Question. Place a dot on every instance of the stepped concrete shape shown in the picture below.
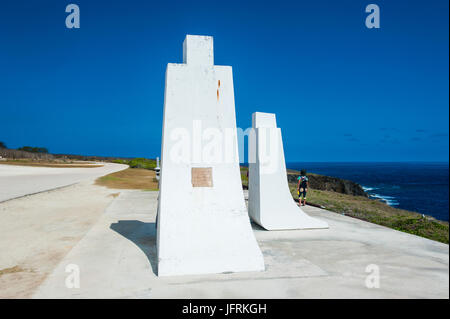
(270, 202)
(203, 224)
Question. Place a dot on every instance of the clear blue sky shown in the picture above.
(341, 92)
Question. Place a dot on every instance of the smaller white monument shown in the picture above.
(270, 203)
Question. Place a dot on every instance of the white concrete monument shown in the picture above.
(203, 224)
(270, 203)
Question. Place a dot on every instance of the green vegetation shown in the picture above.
(142, 163)
(33, 149)
(367, 209)
(2, 145)
(244, 176)
(138, 163)
(377, 212)
(120, 161)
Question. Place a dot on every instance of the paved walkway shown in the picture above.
(117, 259)
(18, 181)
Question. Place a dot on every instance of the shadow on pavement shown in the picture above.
(142, 234)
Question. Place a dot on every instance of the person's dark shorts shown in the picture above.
(300, 194)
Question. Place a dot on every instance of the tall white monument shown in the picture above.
(203, 225)
(270, 203)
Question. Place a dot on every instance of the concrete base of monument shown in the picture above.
(290, 217)
(225, 244)
(117, 259)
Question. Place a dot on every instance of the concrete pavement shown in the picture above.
(117, 259)
(37, 231)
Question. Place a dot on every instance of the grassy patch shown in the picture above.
(378, 213)
(130, 178)
(244, 177)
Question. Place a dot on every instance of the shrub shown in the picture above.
(142, 163)
(121, 161)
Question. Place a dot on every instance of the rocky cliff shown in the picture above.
(327, 183)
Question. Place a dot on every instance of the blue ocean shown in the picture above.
(419, 187)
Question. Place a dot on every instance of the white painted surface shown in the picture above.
(270, 201)
(198, 50)
(17, 181)
(201, 229)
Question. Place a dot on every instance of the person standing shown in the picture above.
(302, 186)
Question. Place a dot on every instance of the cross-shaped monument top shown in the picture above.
(198, 50)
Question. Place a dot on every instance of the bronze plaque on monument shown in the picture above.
(201, 177)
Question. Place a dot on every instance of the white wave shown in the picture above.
(390, 200)
(368, 189)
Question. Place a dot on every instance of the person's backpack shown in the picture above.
(303, 181)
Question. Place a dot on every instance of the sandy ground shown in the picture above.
(117, 259)
(17, 181)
